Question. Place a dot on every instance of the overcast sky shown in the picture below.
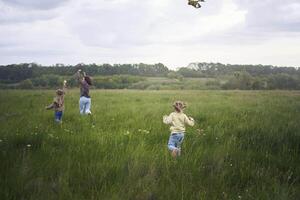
(150, 31)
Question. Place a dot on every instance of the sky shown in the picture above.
(150, 31)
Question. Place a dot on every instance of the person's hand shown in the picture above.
(190, 118)
(167, 119)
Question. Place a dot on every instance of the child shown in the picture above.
(58, 103)
(177, 120)
(85, 100)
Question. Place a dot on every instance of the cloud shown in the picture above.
(263, 21)
(12, 12)
(122, 23)
(168, 31)
(35, 4)
(271, 15)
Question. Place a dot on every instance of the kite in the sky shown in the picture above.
(195, 3)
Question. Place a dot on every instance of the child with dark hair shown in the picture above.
(58, 103)
(85, 100)
(177, 120)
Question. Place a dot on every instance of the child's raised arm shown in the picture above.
(64, 86)
(79, 76)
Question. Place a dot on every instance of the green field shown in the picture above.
(250, 148)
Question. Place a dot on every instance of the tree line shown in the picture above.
(19, 72)
(118, 76)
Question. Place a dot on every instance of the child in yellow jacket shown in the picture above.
(177, 121)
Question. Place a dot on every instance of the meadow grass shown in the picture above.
(249, 148)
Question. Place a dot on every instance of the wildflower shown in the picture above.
(28, 145)
(239, 196)
(230, 164)
(200, 131)
(127, 133)
(0, 140)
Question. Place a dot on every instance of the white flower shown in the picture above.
(240, 196)
(28, 145)
(0, 140)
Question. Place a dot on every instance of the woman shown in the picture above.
(85, 100)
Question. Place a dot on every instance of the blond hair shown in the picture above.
(179, 106)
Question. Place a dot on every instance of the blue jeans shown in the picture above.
(85, 105)
(175, 141)
(58, 116)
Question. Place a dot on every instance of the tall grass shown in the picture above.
(249, 149)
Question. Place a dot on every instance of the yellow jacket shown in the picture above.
(177, 120)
